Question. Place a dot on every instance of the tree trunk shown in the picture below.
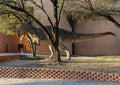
(34, 50)
(33, 45)
(57, 54)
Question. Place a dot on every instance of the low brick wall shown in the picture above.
(7, 58)
(19, 72)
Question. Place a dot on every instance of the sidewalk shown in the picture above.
(14, 53)
(6, 81)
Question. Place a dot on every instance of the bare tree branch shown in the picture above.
(83, 4)
(63, 1)
(13, 13)
(22, 2)
(42, 8)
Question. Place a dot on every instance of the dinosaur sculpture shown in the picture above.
(65, 36)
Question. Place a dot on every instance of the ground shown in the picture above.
(100, 64)
(107, 64)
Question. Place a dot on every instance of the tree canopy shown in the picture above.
(8, 24)
(9, 18)
(85, 9)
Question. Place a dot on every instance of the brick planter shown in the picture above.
(19, 72)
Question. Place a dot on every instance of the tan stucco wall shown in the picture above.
(107, 45)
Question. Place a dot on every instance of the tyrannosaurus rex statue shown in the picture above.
(64, 36)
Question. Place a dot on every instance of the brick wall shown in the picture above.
(8, 58)
(19, 72)
(8, 43)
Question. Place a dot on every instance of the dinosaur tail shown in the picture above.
(82, 37)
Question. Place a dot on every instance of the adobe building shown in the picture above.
(107, 45)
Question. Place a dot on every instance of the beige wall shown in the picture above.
(107, 45)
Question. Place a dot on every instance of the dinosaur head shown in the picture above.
(21, 33)
(21, 30)
(28, 30)
(24, 29)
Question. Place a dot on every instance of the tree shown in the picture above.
(17, 7)
(32, 43)
(84, 9)
(9, 24)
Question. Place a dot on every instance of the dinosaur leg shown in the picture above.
(64, 49)
(51, 52)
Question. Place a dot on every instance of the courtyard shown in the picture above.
(83, 63)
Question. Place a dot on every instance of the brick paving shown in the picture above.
(38, 73)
